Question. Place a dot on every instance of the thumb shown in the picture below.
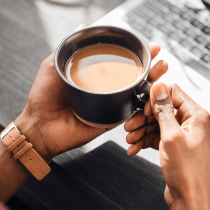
(163, 109)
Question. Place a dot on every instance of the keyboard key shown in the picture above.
(206, 30)
(133, 15)
(147, 32)
(166, 3)
(208, 46)
(138, 27)
(141, 8)
(159, 18)
(200, 39)
(197, 23)
(175, 37)
(169, 6)
(136, 10)
(206, 58)
(155, 9)
(190, 33)
(141, 11)
(164, 29)
(186, 44)
(140, 14)
(151, 7)
(179, 25)
(154, 21)
(197, 51)
(169, 18)
(186, 16)
(130, 17)
(162, 13)
(175, 9)
(145, 16)
(130, 20)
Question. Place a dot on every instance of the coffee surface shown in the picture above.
(103, 68)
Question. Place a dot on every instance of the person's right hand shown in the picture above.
(184, 145)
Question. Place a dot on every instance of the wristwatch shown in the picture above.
(24, 152)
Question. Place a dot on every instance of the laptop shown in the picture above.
(182, 29)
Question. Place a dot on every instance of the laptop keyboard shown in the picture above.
(176, 27)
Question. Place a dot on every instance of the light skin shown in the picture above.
(183, 142)
(50, 125)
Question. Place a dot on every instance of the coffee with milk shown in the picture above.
(103, 68)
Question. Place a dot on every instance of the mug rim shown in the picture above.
(139, 80)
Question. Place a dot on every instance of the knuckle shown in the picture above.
(47, 63)
(126, 126)
(172, 137)
(167, 108)
(43, 63)
(205, 115)
(129, 138)
(202, 116)
(174, 86)
(51, 64)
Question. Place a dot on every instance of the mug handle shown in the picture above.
(145, 88)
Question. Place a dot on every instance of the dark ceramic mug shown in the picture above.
(111, 108)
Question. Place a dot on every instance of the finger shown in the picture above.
(138, 120)
(151, 140)
(163, 109)
(154, 49)
(2, 207)
(135, 148)
(186, 107)
(148, 108)
(139, 133)
(80, 27)
(160, 68)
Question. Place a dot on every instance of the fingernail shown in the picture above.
(160, 92)
(131, 147)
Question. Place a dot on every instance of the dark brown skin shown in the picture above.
(53, 118)
(183, 142)
(50, 125)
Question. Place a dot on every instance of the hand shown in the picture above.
(184, 146)
(2, 207)
(48, 121)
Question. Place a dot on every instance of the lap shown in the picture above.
(105, 178)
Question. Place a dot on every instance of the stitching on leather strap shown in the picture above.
(16, 143)
(22, 151)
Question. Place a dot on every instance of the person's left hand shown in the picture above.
(48, 121)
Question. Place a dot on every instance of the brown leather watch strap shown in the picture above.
(23, 151)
